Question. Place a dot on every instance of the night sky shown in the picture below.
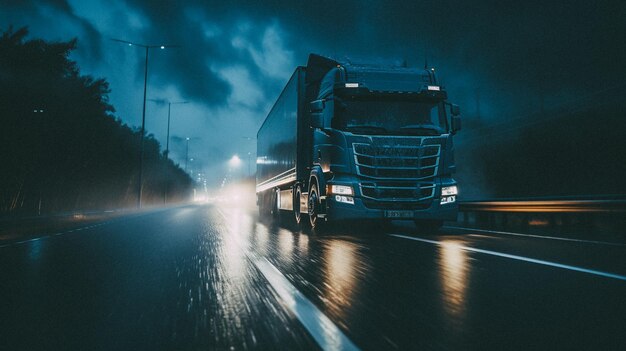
(236, 56)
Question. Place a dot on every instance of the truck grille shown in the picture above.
(398, 191)
(401, 171)
(400, 162)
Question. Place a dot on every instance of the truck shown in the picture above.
(347, 141)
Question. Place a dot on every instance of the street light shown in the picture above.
(167, 143)
(143, 114)
(186, 154)
(169, 110)
(234, 161)
(234, 164)
(249, 153)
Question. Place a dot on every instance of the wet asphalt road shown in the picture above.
(215, 278)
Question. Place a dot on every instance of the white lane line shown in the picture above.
(521, 258)
(323, 330)
(26, 241)
(54, 234)
(327, 335)
(115, 219)
(539, 236)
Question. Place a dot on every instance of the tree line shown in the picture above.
(61, 146)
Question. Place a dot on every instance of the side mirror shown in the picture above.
(317, 106)
(455, 110)
(455, 119)
(317, 120)
(455, 124)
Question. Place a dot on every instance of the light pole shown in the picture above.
(167, 142)
(143, 114)
(249, 153)
(234, 164)
(169, 112)
(187, 154)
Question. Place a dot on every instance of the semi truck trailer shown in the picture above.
(347, 141)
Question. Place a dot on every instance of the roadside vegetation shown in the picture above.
(62, 148)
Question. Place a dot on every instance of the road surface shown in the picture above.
(216, 278)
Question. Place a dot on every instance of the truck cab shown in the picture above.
(382, 146)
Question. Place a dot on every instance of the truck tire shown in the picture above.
(264, 209)
(275, 211)
(314, 204)
(259, 204)
(298, 217)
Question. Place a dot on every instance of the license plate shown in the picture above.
(398, 214)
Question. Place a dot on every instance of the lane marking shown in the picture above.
(539, 236)
(29, 240)
(327, 335)
(520, 258)
(47, 236)
(323, 330)
(96, 225)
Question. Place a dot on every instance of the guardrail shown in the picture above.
(546, 206)
(608, 214)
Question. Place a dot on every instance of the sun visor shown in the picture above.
(409, 81)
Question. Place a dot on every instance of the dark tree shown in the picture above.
(61, 146)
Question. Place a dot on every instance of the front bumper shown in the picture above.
(336, 211)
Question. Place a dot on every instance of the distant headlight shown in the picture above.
(449, 190)
(341, 190)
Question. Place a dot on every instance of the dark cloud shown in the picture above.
(32, 13)
(531, 44)
(235, 56)
(527, 48)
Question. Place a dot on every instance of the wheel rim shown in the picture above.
(312, 204)
(275, 205)
(296, 205)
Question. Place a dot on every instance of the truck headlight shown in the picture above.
(344, 199)
(341, 189)
(449, 190)
(447, 199)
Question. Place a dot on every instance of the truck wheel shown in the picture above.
(431, 226)
(275, 210)
(260, 207)
(314, 204)
(297, 215)
(264, 210)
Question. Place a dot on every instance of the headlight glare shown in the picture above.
(449, 190)
(341, 189)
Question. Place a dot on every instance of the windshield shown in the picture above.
(389, 115)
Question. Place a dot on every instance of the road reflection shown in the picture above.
(303, 244)
(340, 266)
(221, 298)
(454, 277)
(285, 243)
(34, 249)
(234, 243)
(260, 237)
(341, 269)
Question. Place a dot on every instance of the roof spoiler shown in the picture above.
(318, 66)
